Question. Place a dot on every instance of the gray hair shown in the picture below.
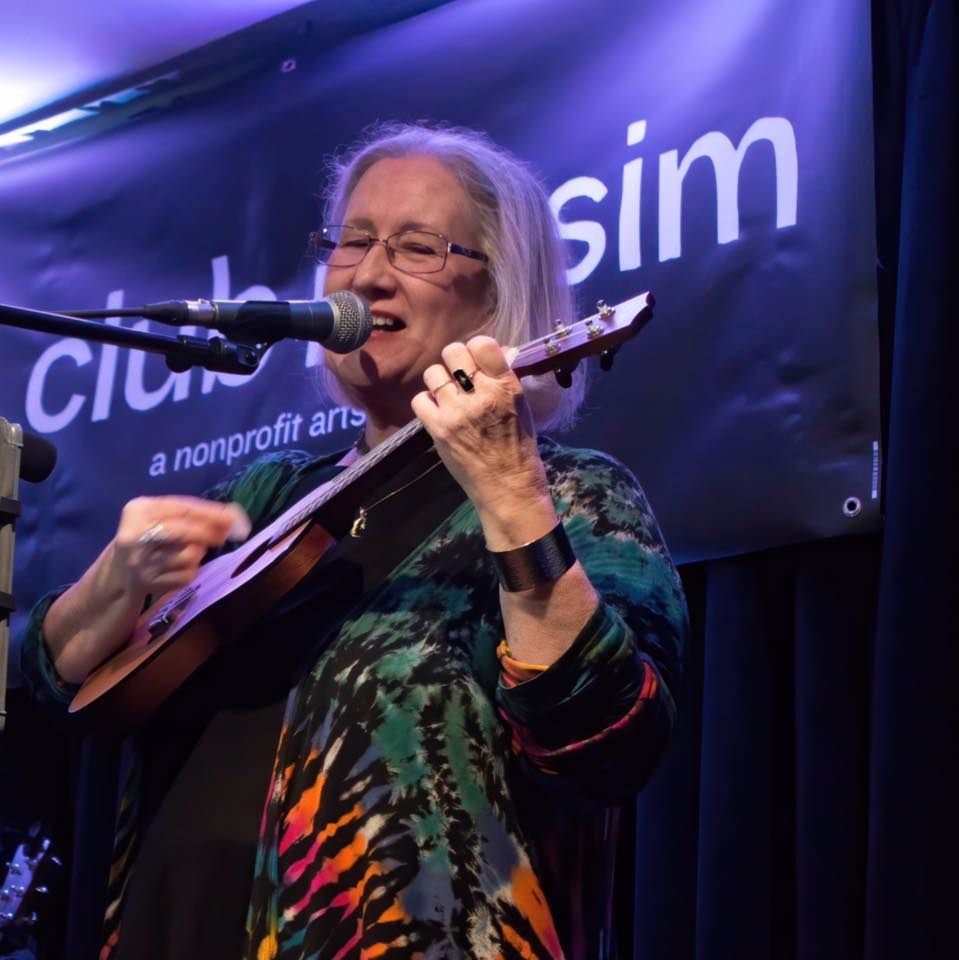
(517, 231)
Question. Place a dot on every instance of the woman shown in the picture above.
(445, 774)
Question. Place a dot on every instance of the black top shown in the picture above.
(208, 752)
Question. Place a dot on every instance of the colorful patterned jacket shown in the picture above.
(432, 797)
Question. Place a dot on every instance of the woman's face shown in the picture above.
(426, 311)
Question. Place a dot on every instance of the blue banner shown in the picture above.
(718, 155)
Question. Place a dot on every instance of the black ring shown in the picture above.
(464, 380)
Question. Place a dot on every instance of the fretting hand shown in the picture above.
(477, 414)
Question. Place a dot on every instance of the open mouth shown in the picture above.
(387, 324)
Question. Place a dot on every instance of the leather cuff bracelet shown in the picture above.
(534, 563)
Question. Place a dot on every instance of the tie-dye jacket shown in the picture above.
(433, 798)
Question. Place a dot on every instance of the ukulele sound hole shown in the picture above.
(251, 558)
(267, 546)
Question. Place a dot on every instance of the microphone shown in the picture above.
(38, 457)
(342, 322)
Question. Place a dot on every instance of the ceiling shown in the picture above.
(51, 50)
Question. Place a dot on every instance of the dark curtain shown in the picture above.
(808, 805)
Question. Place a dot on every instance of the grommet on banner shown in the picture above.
(852, 506)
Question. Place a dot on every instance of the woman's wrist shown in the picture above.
(511, 521)
(536, 563)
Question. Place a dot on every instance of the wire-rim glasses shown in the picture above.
(411, 251)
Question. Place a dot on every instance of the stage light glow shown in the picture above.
(23, 134)
(93, 44)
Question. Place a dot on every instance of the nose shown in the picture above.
(374, 274)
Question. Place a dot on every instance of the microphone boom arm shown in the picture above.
(181, 352)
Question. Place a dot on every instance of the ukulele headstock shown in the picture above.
(602, 334)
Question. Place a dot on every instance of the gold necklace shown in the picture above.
(359, 522)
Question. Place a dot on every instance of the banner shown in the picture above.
(717, 154)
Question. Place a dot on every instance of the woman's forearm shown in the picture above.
(542, 622)
(158, 547)
(92, 619)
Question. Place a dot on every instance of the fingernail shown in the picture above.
(241, 525)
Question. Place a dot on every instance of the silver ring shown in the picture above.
(154, 534)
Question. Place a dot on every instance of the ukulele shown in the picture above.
(182, 630)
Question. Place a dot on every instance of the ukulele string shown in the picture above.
(351, 473)
(374, 456)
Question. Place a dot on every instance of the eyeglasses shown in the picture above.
(412, 251)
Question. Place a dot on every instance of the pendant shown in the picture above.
(359, 524)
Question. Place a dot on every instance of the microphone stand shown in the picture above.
(11, 440)
(181, 352)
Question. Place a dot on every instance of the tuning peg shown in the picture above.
(564, 375)
(606, 359)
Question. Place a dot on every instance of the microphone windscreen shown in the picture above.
(37, 458)
(353, 322)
